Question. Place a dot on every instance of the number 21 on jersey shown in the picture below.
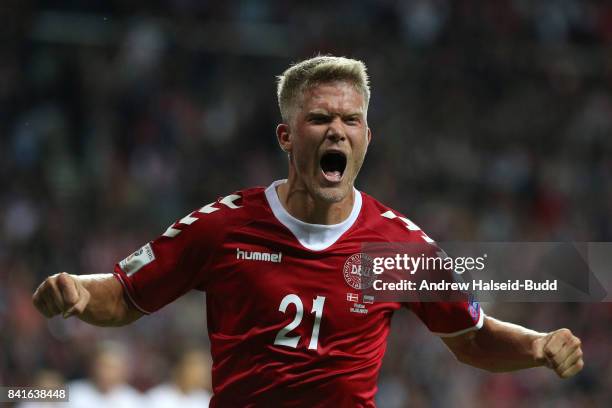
(317, 308)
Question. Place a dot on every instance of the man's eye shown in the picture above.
(318, 119)
(352, 120)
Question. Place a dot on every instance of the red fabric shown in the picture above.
(244, 296)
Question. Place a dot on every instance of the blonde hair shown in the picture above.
(321, 69)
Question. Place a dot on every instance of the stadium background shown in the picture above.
(491, 120)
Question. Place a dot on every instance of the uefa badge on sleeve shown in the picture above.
(137, 260)
(473, 308)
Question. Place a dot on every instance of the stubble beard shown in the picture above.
(335, 194)
(330, 195)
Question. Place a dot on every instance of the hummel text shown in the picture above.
(258, 256)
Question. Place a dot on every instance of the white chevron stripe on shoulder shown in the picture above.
(171, 232)
(229, 201)
(208, 208)
(409, 225)
(188, 219)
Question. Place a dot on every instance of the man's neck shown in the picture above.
(300, 203)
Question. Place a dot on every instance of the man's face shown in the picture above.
(327, 140)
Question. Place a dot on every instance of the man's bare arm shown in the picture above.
(95, 299)
(499, 346)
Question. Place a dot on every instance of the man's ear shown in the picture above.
(369, 139)
(284, 137)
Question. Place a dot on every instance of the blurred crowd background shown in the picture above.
(492, 121)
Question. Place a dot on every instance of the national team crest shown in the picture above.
(358, 271)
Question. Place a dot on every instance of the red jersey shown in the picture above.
(286, 327)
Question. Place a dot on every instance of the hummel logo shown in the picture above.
(259, 256)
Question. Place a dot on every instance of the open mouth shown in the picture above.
(333, 165)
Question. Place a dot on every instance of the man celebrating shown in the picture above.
(281, 318)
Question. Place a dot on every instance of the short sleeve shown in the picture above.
(174, 263)
(449, 319)
(448, 312)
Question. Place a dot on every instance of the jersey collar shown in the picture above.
(316, 237)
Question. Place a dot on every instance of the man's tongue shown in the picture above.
(333, 175)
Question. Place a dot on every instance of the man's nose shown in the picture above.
(335, 131)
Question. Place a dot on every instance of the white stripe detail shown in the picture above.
(208, 208)
(409, 224)
(171, 232)
(188, 220)
(389, 214)
(477, 326)
(427, 239)
(229, 201)
(441, 253)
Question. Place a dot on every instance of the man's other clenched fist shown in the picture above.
(560, 351)
(61, 293)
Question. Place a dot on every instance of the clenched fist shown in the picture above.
(61, 293)
(560, 351)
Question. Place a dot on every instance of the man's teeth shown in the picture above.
(333, 175)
